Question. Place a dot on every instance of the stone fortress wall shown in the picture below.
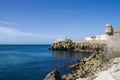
(113, 38)
(90, 41)
(87, 67)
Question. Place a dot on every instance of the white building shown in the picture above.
(90, 38)
(97, 37)
(101, 37)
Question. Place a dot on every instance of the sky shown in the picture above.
(44, 21)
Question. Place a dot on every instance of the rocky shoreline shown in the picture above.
(85, 67)
(112, 71)
(80, 46)
(104, 61)
(95, 67)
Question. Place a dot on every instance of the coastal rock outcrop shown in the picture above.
(80, 46)
(54, 75)
(111, 73)
(87, 67)
(63, 45)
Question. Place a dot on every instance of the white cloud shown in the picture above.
(7, 22)
(10, 31)
(15, 32)
(10, 35)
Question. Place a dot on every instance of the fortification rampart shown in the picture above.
(90, 41)
(113, 43)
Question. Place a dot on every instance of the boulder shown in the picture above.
(104, 76)
(54, 75)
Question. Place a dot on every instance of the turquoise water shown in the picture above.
(33, 62)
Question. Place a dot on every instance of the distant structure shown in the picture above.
(97, 37)
(63, 40)
(90, 38)
(101, 37)
(113, 37)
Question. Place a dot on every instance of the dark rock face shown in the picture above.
(54, 75)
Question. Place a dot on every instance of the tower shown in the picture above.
(108, 30)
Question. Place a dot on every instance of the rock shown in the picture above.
(73, 66)
(64, 77)
(81, 79)
(116, 60)
(111, 73)
(116, 75)
(54, 75)
(104, 76)
(85, 67)
(77, 49)
(69, 77)
(82, 46)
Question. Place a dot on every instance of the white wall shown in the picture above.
(98, 37)
(101, 37)
(90, 38)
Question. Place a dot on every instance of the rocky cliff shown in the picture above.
(81, 46)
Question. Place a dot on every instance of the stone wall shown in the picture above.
(114, 40)
(113, 36)
(90, 41)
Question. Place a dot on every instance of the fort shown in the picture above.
(113, 38)
(110, 40)
(100, 47)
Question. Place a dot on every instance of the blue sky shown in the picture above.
(43, 21)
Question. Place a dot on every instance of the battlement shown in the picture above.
(111, 38)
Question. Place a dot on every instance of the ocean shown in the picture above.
(34, 62)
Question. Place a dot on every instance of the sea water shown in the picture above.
(34, 62)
